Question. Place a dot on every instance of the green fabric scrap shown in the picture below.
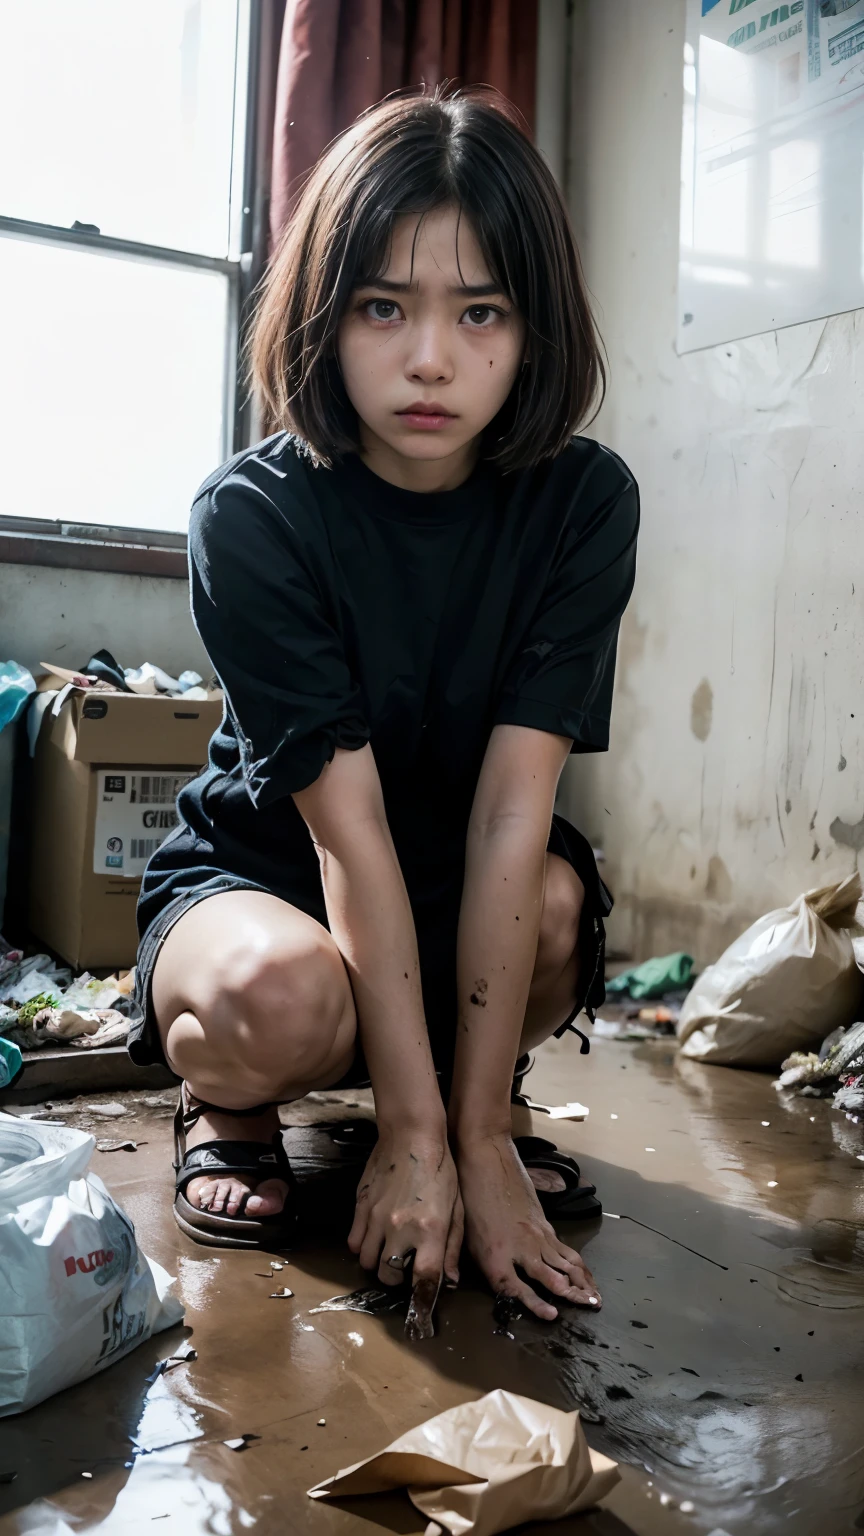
(665, 973)
(11, 1062)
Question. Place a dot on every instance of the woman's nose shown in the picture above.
(429, 360)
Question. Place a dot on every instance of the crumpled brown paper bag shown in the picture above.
(785, 984)
(486, 1466)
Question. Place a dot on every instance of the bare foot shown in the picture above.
(225, 1195)
(545, 1179)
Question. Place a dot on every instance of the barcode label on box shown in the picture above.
(147, 789)
(135, 812)
(142, 847)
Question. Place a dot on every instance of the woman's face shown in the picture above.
(429, 352)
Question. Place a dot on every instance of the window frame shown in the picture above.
(154, 552)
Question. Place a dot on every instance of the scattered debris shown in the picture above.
(369, 1300)
(240, 1442)
(626, 1029)
(279, 1295)
(320, 1422)
(574, 1111)
(119, 1146)
(486, 1466)
(275, 1265)
(837, 1071)
(159, 1101)
(110, 1111)
(182, 1356)
(507, 1310)
(86, 1474)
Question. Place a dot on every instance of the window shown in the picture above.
(122, 228)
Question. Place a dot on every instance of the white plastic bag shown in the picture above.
(76, 1293)
(784, 985)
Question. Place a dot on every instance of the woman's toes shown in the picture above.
(199, 1192)
(268, 1199)
(547, 1180)
(237, 1193)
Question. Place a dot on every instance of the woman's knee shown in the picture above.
(280, 1015)
(563, 900)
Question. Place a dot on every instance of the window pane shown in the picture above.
(121, 116)
(111, 385)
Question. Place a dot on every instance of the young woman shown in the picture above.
(411, 596)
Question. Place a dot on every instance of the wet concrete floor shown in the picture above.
(724, 1372)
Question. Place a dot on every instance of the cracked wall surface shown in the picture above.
(736, 775)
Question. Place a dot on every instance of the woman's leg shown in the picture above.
(554, 983)
(253, 1004)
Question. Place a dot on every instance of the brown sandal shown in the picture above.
(257, 1159)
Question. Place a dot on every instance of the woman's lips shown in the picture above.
(426, 418)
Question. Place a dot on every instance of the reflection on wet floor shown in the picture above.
(724, 1371)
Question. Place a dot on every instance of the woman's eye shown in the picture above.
(382, 309)
(481, 314)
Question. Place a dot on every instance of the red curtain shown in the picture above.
(338, 57)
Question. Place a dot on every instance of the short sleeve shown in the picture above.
(562, 677)
(260, 607)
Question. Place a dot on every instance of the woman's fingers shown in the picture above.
(454, 1243)
(574, 1269)
(511, 1285)
(425, 1285)
(395, 1257)
(369, 1251)
(554, 1281)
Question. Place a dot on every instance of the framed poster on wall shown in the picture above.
(772, 231)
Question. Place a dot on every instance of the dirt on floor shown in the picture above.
(724, 1371)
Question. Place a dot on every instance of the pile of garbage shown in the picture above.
(792, 978)
(650, 997)
(104, 674)
(41, 1005)
(835, 1072)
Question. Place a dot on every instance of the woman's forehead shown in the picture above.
(438, 248)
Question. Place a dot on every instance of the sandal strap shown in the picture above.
(222, 1158)
(535, 1152)
(522, 1068)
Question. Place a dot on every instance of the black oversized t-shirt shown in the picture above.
(339, 609)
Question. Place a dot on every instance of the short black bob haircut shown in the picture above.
(412, 153)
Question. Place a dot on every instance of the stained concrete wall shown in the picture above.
(64, 616)
(736, 775)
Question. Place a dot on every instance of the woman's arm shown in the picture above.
(499, 923)
(407, 1197)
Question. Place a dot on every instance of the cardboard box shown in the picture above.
(106, 773)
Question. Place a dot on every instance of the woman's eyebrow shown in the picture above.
(462, 290)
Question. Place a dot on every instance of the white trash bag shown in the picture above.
(76, 1294)
(784, 985)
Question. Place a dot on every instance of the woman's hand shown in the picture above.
(505, 1226)
(408, 1202)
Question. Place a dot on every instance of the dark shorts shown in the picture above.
(437, 947)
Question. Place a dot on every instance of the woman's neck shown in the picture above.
(424, 475)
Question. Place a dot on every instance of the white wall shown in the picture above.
(64, 616)
(736, 776)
